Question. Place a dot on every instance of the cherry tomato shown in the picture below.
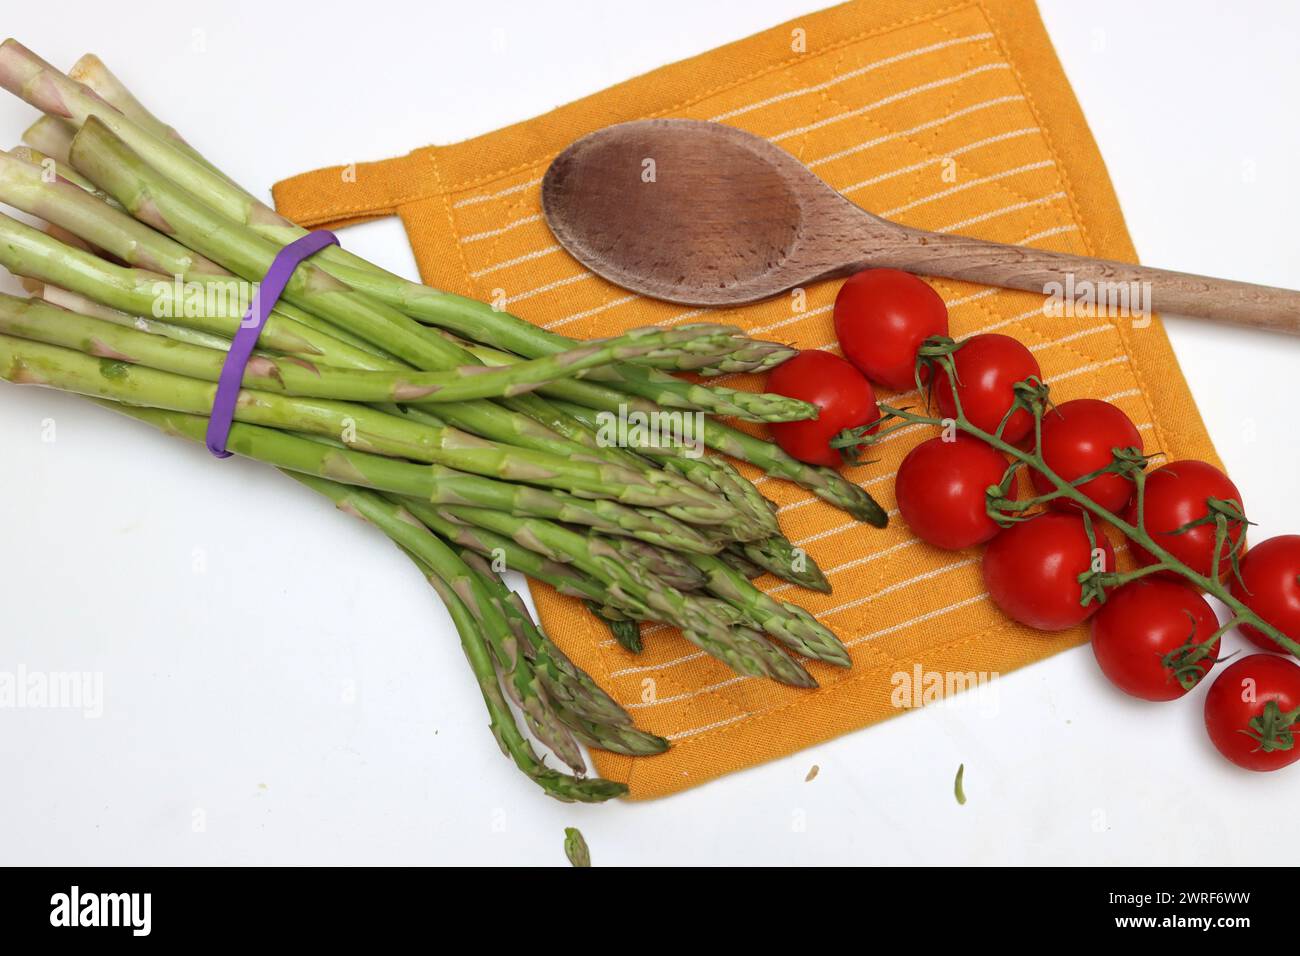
(843, 397)
(1032, 570)
(1077, 439)
(881, 318)
(1175, 495)
(1251, 712)
(940, 491)
(1271, 574)
(1140, 634)
(987, 367)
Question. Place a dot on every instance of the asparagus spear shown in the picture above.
(91, 72)
(825, 483)
(40, 84)
(477, 321)
(592, 554)
(72, 207)
(660, 565)
(643, 387)
(433, 483)
(79, 304)
(565, 578)
(34, 157)
(720, 477)
(670, 392)
(30, 319)
(75, 209)
(713, 475)
(51, 136)
(736, 559)
(755, 356)
(687, 503)
(558, 701)
(788, 623)
(360, 427)
(461, 591)
(777, 555)
(761, 357)
(220, 308)
(513, 743)
(517, 675)
(594, 717)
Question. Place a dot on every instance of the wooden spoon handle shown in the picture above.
(1067, 276)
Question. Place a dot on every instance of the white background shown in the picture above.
(281, 688)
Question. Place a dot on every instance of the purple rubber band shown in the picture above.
(245, 340)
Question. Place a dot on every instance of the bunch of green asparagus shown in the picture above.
(472, 439)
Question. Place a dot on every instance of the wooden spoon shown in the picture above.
(709, 215)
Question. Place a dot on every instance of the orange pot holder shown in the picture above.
(947, 116)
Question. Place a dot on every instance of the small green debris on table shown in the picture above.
(575, 847)
(957, 791)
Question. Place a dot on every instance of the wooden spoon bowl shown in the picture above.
(656, 213)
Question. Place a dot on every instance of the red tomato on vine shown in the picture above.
(881, 318)
(940, 490)
(1032, 570)
(987, 368)
(1270, 586)
(844, 400)
(1252, 709)
(1150, 638)
(1177, 516)
(1078, 439)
